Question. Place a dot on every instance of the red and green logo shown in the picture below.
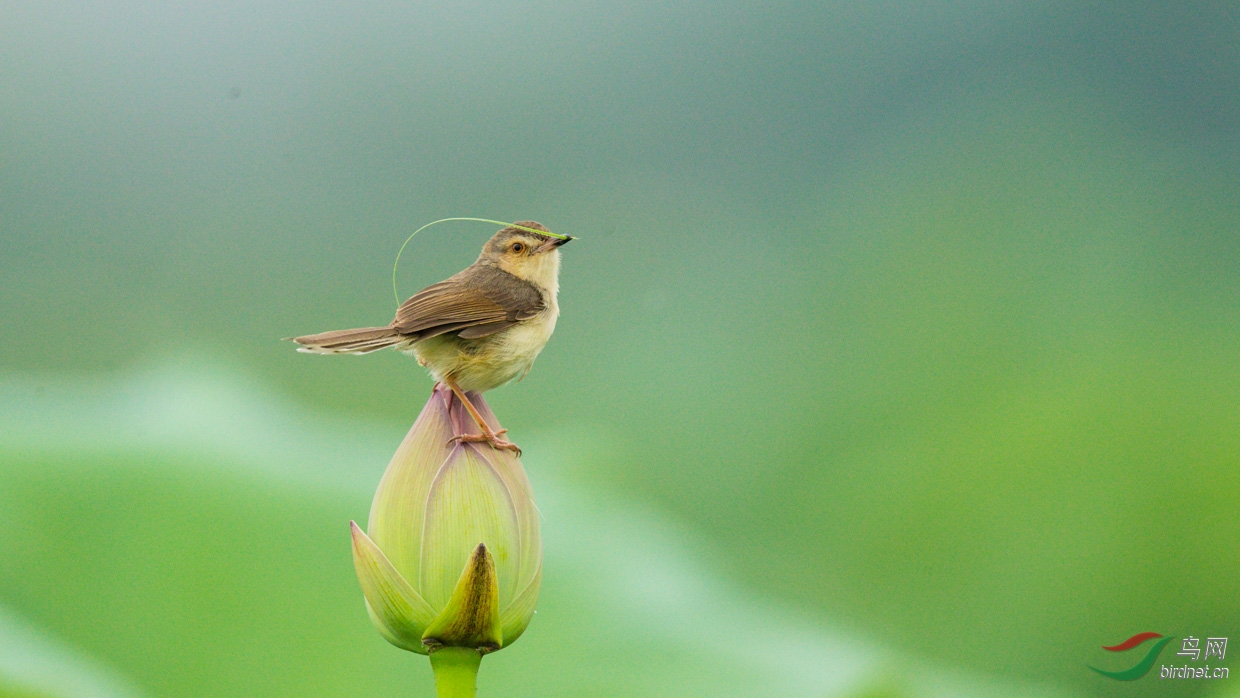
(1140, 668)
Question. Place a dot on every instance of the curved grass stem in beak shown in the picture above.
(552, 244)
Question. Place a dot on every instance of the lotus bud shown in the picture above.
(452, 562)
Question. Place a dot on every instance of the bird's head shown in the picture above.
(521, 251)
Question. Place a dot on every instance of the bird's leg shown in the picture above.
(495, 438)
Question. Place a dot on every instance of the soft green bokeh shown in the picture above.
(917, 321)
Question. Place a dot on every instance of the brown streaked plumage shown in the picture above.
(478, 329)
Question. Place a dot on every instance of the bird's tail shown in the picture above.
(359, 341)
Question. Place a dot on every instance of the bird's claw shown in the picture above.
(494, 439)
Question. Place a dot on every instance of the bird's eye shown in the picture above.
(517, 247)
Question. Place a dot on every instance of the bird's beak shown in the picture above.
(552, 244)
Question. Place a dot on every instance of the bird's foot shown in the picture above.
(495, 438)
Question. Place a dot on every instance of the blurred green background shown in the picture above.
(898, 356)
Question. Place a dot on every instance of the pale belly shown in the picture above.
(488, 362)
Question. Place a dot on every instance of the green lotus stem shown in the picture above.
(456, 671)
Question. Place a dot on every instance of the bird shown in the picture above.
(478, 329)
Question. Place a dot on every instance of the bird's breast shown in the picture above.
(488, 362)
(523, 342)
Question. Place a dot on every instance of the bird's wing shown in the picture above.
(479, 301)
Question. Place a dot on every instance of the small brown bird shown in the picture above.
(477, 330)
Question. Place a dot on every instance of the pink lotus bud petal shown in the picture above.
(444, 514)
